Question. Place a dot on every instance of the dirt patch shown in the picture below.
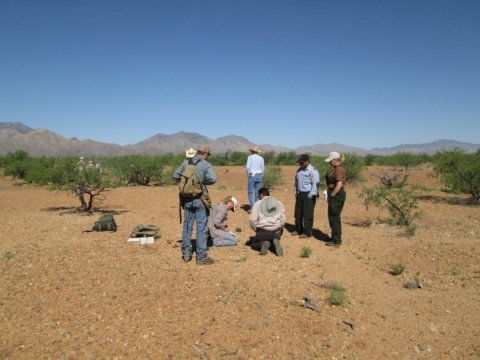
(71, 294)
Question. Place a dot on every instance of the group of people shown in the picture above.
(267, 214)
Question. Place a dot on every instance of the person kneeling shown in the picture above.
(267, 220)
(218, 223)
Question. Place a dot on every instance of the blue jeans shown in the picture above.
(254, 184)
(228, 240)
(194, 210)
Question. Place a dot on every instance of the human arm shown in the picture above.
(315, 181)
(177, 174)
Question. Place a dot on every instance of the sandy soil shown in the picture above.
(69, 294)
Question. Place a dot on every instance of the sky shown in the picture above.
(364, 74)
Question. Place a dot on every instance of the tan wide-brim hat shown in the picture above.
(255, 149)
(190, 153)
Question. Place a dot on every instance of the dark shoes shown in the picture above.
(304, 236)
(332, 244)
(207, 261)
(187, 259)
(294, 233)
(278, 247)
(265, 248)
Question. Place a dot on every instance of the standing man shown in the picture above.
(255, 167)
(267, 220)
(195, 208)
(306, 191)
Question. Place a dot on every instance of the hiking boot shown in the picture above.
(278, 247)
(206, 261)
(187, 259)
(304, 236)
(294, 233)
(265, 247)
(330, 243)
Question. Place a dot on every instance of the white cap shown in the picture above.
(332, 156)
(235, 203)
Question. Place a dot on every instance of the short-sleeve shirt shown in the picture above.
(337, 174)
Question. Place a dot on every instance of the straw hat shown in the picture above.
(255, 149)
(190, 153)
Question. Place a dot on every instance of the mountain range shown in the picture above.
(17, 136)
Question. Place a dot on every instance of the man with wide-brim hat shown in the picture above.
(255, 168)
(195, 208)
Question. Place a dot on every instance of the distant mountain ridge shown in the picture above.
(17, 136)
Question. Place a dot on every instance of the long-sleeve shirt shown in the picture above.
(259, 221)
(218, 219)
(205, 173)
(255, 165)
(306, 180)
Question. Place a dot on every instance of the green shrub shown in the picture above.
(337, 295)
(305, 252)
(272, 176)
(459, 171)
(397, 269)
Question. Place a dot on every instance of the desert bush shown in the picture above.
(459, 171)
(395, 197)
(397, 269)
(406, 159)
(88, 185)
(305, 252)
(337, 295)
(136, 169)
(272, 176)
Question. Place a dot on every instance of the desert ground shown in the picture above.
(70, 294)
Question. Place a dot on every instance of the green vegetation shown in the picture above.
(272, 176)
(394, 195)
(397, 269)
(460, 172)
(305, 252)
(337, 295)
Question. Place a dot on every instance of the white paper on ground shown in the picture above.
(147, 240)
(133, 240)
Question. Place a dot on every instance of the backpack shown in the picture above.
(144, 230)
(189, 185)
(106, 222)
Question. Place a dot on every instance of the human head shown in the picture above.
(254, 149)
(304, 160)
(262, 192)
(204, 150)
(335, 159)
(231, 202)
(190, 153)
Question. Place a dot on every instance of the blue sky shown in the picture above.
(361, 73)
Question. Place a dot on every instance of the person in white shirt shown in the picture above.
(267, 219)
(255, 168)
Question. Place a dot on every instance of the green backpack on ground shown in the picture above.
(106, 222)
(144, 230)
(189, 185)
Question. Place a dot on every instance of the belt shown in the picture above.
(269, 231)
(304, 192)
(257, 174)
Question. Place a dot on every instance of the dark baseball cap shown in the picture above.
(303, 157)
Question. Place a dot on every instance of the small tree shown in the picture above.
(395, 197)
(459, 171)
(88, 185)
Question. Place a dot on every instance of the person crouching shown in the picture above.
(218, 223)
(267, 220)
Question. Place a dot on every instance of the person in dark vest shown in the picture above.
(267, 220)
(336, 196)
